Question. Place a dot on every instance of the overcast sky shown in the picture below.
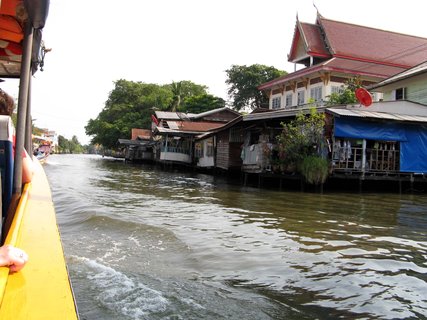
(96, 42)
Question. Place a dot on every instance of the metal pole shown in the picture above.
(22, 107)
(363, 155)
(29, 123)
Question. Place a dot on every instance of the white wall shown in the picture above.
(177, 157)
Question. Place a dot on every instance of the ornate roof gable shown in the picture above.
(308, 41)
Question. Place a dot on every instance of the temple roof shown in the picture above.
(374, 45)
(350, 49)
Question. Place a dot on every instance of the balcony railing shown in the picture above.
(351, 159)
(175, 149)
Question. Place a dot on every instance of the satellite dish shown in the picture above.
(363, 96)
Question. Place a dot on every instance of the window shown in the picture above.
(209, 149)
(301, 98)
(275, 103)
(400, 94)
(198, 150)
(337, 89)
(288, 102)
(316, 94)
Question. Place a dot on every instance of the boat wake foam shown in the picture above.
(119, 293)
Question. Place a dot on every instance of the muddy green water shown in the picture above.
(142, 243)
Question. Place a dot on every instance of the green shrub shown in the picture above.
(314, 169)
(301, 137)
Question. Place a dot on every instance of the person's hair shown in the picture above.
(6, 103)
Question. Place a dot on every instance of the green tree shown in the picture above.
(176, 88)
(37, 131)
(75, 146)
(183, 90)
(69, 146)
(346, 95)
(129, 105)
(243, 82)
(63, 144)
(201, 103)
(190, 88)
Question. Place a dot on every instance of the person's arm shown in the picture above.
(12, 257)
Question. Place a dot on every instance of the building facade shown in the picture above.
(331, 53)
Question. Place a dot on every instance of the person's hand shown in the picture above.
(12, 257)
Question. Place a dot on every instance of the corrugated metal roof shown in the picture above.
(167, 115)
(280, 113)
(188, 127)
(400, 110)
(376, 115)
(223, 127)
(173, 125)
(207, 113)
(135, 142)
(177, 133)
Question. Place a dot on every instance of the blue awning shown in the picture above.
(412, 138)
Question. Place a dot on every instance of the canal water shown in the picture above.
(142, 243)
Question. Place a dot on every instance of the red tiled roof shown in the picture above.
(313, 38)
(362, 68)
(199, 126)
(375, 45)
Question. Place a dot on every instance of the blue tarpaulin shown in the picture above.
(413, 153)
(412, 138)
(359, 129)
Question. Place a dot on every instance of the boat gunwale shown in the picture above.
(12, 236)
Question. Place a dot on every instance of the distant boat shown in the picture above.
(43, 151)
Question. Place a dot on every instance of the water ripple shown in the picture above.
(318, 256)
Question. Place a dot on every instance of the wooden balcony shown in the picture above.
(375, 160)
